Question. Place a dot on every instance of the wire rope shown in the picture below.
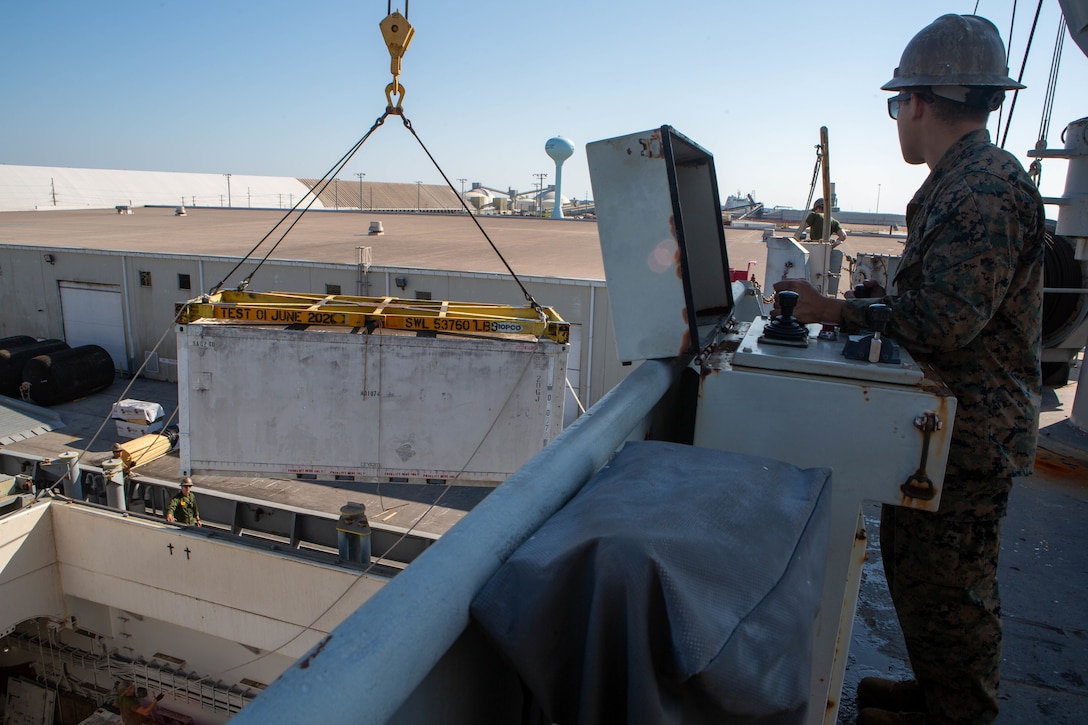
(323, 183)
(1008, 54)
(1020, 76)
(1052, 81)
(532, 302)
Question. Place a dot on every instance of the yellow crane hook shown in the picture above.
(398, 33)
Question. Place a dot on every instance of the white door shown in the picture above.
(574, 375)
(92, 316)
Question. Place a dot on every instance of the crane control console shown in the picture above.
(858, 404)
(771, 386)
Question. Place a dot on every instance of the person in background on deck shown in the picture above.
(815, 222)
(969, 304)
(182, 507)
(130, 707)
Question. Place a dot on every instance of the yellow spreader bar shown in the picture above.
(288, 308)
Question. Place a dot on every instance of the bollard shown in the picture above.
(353, 534)
(73, 486)
(113, 470)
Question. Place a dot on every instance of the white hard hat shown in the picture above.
(954, 50)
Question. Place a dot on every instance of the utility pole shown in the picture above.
(878, 198)
(462, 188)
(419, 185)
(360, 175)
(228, 190)
(540, 193)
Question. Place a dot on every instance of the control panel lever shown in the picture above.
(919, 484)
(874, 347)
(878, 320)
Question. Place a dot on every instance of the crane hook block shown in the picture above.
(398, 33)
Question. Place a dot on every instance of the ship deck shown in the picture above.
(1043, 565)
(1043, 568)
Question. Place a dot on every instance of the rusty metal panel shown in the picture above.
(326, 404)
(662, 241)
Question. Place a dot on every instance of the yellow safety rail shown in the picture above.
(289, 308)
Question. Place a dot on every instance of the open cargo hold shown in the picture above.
(380, 390)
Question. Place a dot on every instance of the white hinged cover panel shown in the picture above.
(662, 241)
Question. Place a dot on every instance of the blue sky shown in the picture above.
(286, 89)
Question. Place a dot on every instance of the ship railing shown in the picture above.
(289, 529)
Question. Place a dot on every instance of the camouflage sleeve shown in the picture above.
(967, 252)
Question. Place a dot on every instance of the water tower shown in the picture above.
(560, 149)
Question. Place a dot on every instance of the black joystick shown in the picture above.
(879, 315)
(874, 347)
(784, 329)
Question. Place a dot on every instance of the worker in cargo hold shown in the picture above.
(969, 303)
(815, 222)
(133, 712)
(182, 507)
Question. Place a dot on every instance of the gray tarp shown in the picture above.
(680, 585)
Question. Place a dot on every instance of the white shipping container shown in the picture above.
(331, 402)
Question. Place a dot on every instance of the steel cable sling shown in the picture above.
(318, 189)
(398, 34)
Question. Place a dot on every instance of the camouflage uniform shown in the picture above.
(969, 303)
(183, 508)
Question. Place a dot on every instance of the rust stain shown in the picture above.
(651, 146)
(713, 361)
(305, 663)
(685, 340)
(728, 346)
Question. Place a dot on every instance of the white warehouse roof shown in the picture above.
(27, 188)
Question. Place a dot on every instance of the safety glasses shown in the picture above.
(895, 101)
